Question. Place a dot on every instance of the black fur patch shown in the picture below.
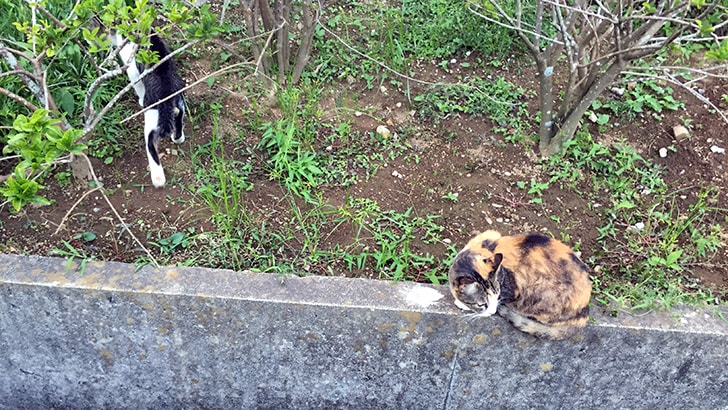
(463, 265)
(152, 142)
(579, 263)
(534, 240)
(489, 245)
(583, 313)
(507, 285)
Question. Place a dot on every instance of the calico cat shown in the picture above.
(535, 282)
(165, 119)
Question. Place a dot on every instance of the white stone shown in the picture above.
(717, 150)
(663, 152)
(383, 131)
(680, 132)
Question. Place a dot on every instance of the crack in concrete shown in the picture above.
(453, 367)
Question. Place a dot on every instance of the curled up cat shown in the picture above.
(165, 119)
(535, 282)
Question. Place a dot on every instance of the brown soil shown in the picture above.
(477, 164)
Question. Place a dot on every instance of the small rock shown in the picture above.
(717, 150)
(638, 227)
(453, 61)
(680, 132)
(447, 241)
(593, 117)
(383, 89)
(396, 174)
(358, 114)
(383, 131)
(663, 152)
(618, 91)
(398, 105)
(489, 220)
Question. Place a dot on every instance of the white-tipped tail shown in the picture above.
(151, 120)
(158, 179)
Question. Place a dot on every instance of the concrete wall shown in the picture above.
(199, 338)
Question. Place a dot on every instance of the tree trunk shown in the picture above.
(546, 102)
(573, 118)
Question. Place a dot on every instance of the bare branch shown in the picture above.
(18, 98)
(520, 31)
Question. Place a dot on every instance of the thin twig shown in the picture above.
(68, 213)
(113, 209)
(406, 77)
(218, 72)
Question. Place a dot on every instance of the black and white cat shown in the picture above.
(165, 119)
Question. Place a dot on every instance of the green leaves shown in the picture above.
(720, 52)
(39, 141)
(20, 191)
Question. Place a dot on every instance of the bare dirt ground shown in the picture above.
(477, 165)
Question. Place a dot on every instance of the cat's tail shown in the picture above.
(151, 142)
(557, 330)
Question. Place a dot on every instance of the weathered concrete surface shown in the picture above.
(199, 338)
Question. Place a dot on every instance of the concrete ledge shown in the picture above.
(177, 337)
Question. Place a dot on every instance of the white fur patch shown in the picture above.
(151, 120)
(126, 54)
(492, 301)
(422, 296)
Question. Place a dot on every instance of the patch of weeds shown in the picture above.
(290, 162)
(395, 36)
(499, 100)
(63, 178)
(644, 96)
(535, 189)
(390, 237)
(172, 243)
(288, 142)
(646, 246)
(73, 254)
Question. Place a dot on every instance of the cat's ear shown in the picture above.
(497, 259)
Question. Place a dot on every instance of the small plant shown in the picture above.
(73, 254)
(452, 196)
(85, 237)
(535, 188)
(172, 243)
